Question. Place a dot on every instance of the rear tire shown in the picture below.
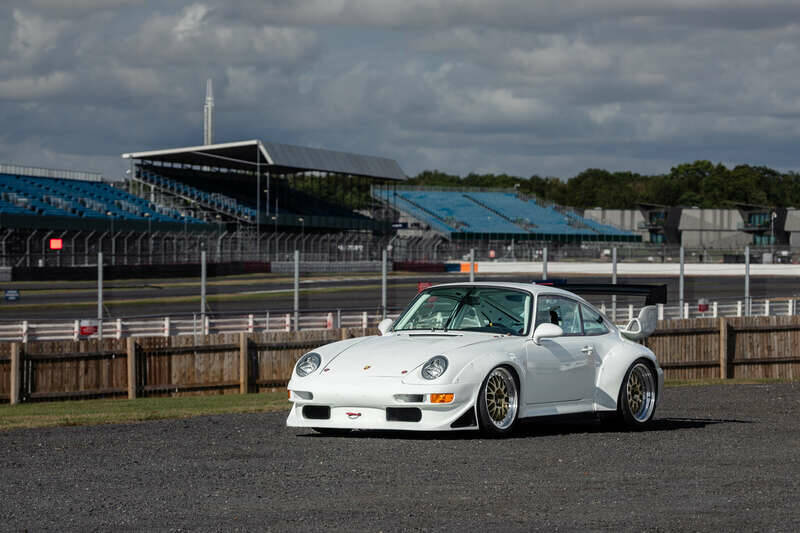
(498, 402)
(636, 403)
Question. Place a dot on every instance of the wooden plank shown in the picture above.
(684, 331)
(131, 368)
(16, 374)
(174, 350)
(51, 356)
(244, 359)
(184, 387)
(767, 360)
(76, 394)
(723, 349)
(690, 364)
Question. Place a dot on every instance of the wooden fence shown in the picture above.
(223, 363)
(233, 363)
(746, 347)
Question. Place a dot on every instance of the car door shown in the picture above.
(560, 369)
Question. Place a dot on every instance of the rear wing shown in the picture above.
(653, 293)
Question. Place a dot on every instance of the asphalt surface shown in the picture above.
(324, 293)
(718, 458)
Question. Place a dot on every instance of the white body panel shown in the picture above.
(358, 379)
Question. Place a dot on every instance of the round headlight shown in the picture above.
(435, 367)
(307, 364)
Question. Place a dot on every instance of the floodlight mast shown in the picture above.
(208, 114)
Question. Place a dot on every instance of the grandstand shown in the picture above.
(57, 202)
(497, 215)
(259, 184)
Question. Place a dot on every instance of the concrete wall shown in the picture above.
(712, 228)
(627, 219)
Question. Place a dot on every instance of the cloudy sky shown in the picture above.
(520, 86)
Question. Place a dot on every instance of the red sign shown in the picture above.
(422, 285)
(56, 244)
(87, 328)
(702, 305)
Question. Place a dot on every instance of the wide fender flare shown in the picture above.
(615, 365)
(476, 370)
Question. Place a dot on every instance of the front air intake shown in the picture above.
(316, 412)
(403, 414)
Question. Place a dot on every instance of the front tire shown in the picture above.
(637, 395)
(498, 402)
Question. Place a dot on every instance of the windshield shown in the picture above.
(491, 310)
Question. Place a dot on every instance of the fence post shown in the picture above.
(76, 330)
(131, 368)
(16, 373)
(166, 326)
(24, 331)
(288, 322)
(766, 307)
(723, 348)
(790, 307)
(714, 310)
(630, 311)
(244, 349)
(686, 310)
(660, 311)
(364, 320)
(119, 328)
(329, 321)
(738, 308)
(250, 323)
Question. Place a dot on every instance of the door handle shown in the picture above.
(587, 350)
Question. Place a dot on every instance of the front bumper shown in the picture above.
(363, 405)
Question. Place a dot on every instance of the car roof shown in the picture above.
(533, 288)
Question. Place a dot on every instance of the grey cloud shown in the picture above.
(521, 87)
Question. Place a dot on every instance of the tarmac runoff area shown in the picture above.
(718, 458)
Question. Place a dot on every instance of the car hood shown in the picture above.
(398, 354)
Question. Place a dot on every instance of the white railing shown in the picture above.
(198, 324)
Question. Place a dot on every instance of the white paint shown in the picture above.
(555, 269)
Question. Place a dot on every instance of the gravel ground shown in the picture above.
(717, 458)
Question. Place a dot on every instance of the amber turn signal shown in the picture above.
(442, 398)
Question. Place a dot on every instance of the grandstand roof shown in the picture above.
(277, 158)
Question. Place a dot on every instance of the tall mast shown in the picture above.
(208, 114)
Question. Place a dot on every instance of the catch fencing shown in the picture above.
(227, 363)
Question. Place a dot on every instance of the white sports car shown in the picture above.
(480, 355)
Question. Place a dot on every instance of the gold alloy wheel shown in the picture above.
(501, 398)
(641, 392)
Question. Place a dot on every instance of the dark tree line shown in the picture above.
(701, 184)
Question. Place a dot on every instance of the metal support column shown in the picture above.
(747, 304)
(99, 295)
(681, 285)
(296, 290)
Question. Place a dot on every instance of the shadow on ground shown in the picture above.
(535, 428)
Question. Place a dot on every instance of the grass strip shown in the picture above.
(121, 411)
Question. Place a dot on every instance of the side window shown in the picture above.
(560, 311)
(592, 321)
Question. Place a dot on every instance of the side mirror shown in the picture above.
(547, 331)
(385, 325)
(642, 327)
